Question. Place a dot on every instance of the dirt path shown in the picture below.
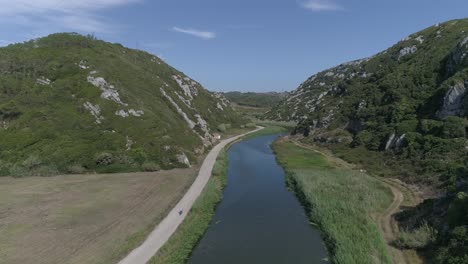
(387, 223)
(176, 216)
(389, 227)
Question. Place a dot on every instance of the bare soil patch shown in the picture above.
(84, 218)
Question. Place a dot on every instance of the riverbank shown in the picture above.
(179, 247)
(169, 225)
(342, 202)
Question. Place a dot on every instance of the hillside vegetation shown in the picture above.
(264, 100)
(401, 113)
(74, 104)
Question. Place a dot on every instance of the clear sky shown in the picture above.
(247, 45)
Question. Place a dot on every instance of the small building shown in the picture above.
(217, 136)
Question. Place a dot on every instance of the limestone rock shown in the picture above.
(453, 100)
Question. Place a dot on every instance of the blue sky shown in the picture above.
(247, 45)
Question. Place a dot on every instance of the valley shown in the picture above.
(108, 154)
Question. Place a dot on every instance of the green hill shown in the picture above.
(71, 103)
(401, 113)
(255, 99)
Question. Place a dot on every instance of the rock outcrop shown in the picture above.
(454, 101)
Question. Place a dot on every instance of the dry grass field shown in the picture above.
(83, 218)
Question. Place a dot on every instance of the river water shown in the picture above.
(258, 220)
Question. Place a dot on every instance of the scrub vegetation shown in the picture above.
(341, 202)
(73, 104)
(402, 113)
(261, 100)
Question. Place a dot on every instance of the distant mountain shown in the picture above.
(402, 113)
(71, 103)
(256, 99)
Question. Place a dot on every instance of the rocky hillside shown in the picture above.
(401, 113)
(71, 103)
(411, 99)
(265, 100)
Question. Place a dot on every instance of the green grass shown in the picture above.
(268, 130)
(286, 124)
(340, 202)
(180, 245)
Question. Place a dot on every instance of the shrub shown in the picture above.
(429, 126)
(139, 155)
(124, 159)
(4, 168)
(250, 125)
(418, 238)
(76, 169)
(150, 167)
(407, 126)
(368, 139)
(457, 213)
(45, 171)
(454, 127)
(222, 128)
(18, 171)
(32, 162)
(104, 159)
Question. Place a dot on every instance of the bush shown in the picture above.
(19, 171)
(32, 162)
(150, 167)
(454, 127)
(124, 159)
(222, 128)
(368, 139)
(457, 213)
(429, 126)
(45, 171)
(5, 168)
(407, 126)
(250, 125)
(139, 155)
(416, 239)
(76, 169)
(104, 159)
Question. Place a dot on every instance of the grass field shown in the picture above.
(85, 218)
(179, 247)
(268, 130)
(341, 202)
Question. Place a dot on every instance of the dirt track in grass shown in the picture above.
(402, 195)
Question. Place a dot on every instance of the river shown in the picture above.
(258, 220)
